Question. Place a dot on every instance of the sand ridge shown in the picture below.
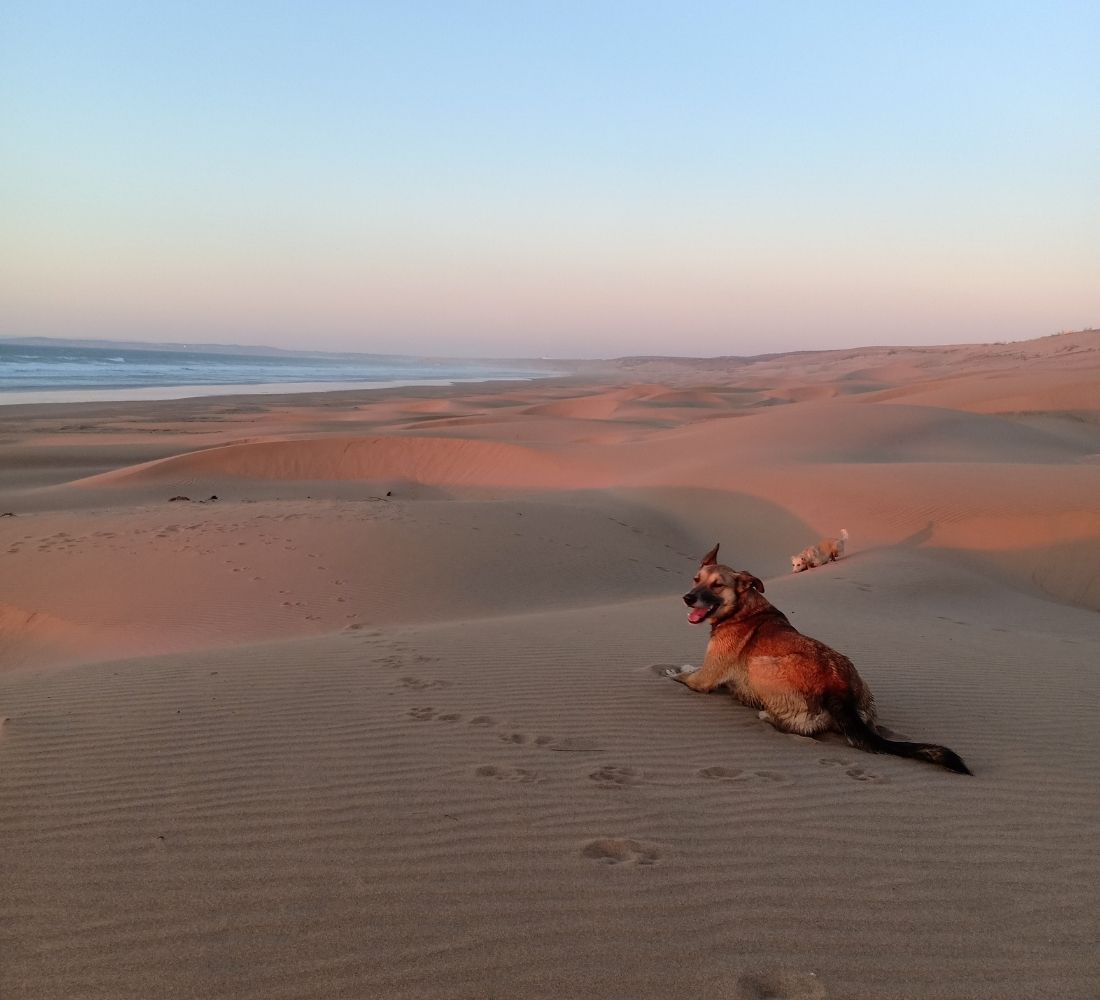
(420, 459)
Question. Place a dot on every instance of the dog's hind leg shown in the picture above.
(792, 714)
(803, 724)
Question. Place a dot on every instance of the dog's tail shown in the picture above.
(844, 534)
(863, 737)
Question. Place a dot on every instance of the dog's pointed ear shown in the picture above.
(746, 581)
(711, 558)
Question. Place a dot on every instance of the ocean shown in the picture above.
(51, 373)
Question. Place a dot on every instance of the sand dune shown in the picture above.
(847, 431)
(40, 639)
(423, 460)
(599, 407)
(386, 719)
(185, 576)
(698, 397)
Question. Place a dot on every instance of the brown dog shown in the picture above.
(800, 684)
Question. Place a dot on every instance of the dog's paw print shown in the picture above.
(855, 771)
(616, 851)
(574, 744)
(615, 777)
(721, 773)
(567, 744)
(737, 774)
(780, 984)
(428, 714)
(417, 684)
(860, 774)
(517, 775)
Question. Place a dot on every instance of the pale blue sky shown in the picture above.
(550, 179)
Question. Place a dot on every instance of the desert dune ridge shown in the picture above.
(386, 717)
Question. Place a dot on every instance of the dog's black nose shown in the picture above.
(689, 598)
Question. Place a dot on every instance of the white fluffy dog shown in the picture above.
(827, 550)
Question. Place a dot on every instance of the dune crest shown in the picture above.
(433, 461)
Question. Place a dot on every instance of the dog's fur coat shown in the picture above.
(827, 550)
(799, 684)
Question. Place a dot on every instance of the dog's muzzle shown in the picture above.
(700, 609)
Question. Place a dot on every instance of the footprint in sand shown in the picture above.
(720, 773)
(737, 774)
(516, 775)
(560, 744)
(780, 984)
(615, 851)
(859, 774)
(417, 684)
(571, 744)
(428, 714)
(854, 771)
(616, 777)
(566, 744)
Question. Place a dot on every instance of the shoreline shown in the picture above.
(36, 397)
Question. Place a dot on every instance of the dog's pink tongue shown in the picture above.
(696, 615)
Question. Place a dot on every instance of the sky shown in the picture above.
(550, 179)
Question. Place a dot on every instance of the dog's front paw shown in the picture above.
(678, 673)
